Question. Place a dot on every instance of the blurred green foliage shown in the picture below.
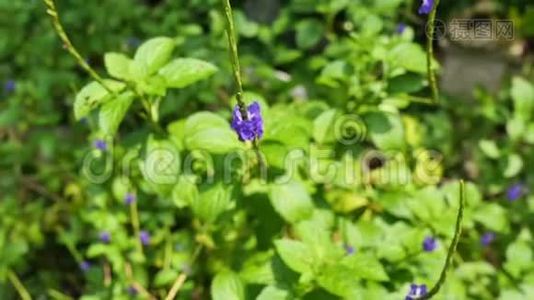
(338, 86)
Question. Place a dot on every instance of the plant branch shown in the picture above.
(234, 57)
(15, 281)
(452, 247)
(180, 280)
(430, 52)
(53, 13)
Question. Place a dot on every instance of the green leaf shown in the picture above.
(185, 192)
(165, 277)
(309, 33)
(523, 96)
(212, 202)
(365, 266)
(406, 83)
(323, 127)
(409, 56)
(204, 119)
(112, 113)
(386, 130)
(514, 165)
(154, 53)
(339, 280)
(291, 201)
(489, 148)
(274, 293)
(492, 216)
(210, 132)
(94, 94)
(118, 65)
(227, 286)
(295, 254)
(161, 164)
(182, 72)
(213, 140)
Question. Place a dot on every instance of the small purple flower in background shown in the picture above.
(129, 198)
(349, 249)
(100, 144)
(9, 86)
(133, 42)
(426, 7)
(401, 27)
(487, 238)
(416, 291)
(515, 192)
(85, 266)
(249, 129)
(132, 290)
(429, 244)
(105, 237)
(144, 236)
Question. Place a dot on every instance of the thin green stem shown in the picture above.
(57, 295)
(430, 52)
(134, 215)
(180, 280)
(234, 58)
(15, 281)
(53, 13)
(452, 247)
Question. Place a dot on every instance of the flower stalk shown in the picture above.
(51, 10)
(452, 247)
(430, 52)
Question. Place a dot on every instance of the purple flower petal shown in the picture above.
(9, 86)
(487, 238)
(105, 237)
(515, 192)
(349, 249)
(85, 266)
(401, 27)
(416, 291)
(144, 236)
(100, 144)
(251, 128)
(426, 7)
(129, 198)
(430, 244)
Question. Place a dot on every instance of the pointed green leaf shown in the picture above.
(118, 65)
(182, 72)
(291, 201)
(295, 254)
(92, 95)
(227, 286)
(112, 113)
(155, 53)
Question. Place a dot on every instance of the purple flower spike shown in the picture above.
(85, 266)
(100, 145)
(487, 238)
(144, 236)
(401, 27)
(515, 192)
(429, 244)
(129, 198)
(426, 7)
(416, 291)
(250, 129)
(9, 86)
(349, 249)
(105, 237)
